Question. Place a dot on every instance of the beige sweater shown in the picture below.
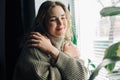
(36, 65)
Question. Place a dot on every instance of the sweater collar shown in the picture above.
(57, 42)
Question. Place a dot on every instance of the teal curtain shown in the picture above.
(74, 37)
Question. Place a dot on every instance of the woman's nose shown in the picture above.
(59, 21)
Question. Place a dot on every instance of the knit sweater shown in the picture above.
(34, 64)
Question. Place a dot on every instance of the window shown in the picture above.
(96, 33)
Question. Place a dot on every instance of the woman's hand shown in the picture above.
(71, 50)
(43, 43)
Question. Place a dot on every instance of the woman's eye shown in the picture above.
(52, 20)
(63, 18)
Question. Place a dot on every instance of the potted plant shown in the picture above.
(112, 55)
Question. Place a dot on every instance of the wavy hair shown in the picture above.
(43, 12)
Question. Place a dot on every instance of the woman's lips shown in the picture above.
(59, 29)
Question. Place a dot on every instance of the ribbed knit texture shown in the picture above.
(36, 65)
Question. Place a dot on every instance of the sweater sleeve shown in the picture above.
(34, 65)
(71, 68)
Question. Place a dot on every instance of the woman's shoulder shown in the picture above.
(32, 53)
(69, 42)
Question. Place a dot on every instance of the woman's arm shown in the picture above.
(66, 62)
(43, 43)
(70, 65)
(35, 65)
(71, 68)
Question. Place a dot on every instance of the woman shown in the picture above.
(49, 53)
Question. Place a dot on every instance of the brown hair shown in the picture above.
(40, 20)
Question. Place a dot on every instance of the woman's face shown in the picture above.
(57, 22)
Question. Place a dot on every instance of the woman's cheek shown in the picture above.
(51, 24)
(51, 27)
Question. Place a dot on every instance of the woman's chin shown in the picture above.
(59, 36)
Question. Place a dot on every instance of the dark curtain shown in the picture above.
(2, 40)
(19, 16)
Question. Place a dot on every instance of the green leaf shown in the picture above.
(111, 51)
(105, 62)
(93, 65)
(110, 67)
(110, 11)
(89, 61)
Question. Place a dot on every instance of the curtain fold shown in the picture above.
(2, 40)
(19, 16)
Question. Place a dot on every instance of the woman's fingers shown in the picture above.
(33, 43)
(71, 50)
(36, 40)
(67, 44)
(35, 33)
(34, 36)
